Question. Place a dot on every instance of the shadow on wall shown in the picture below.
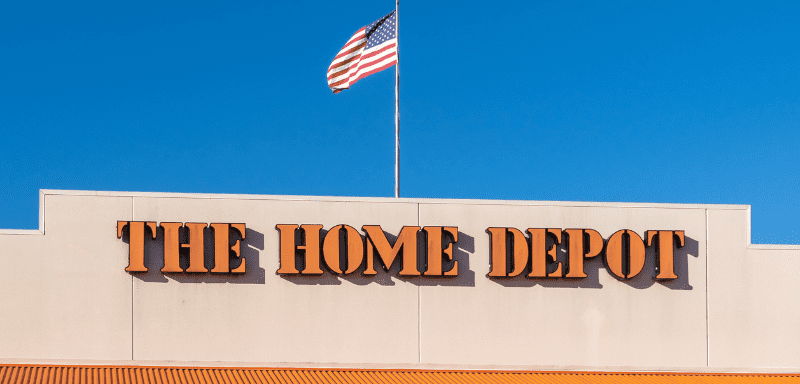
(646, 278)
(461, 254)
(251, 246)
(593, 267)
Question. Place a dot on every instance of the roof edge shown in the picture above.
(367, 367)
(392, 199)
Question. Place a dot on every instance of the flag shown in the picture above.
(372, 49)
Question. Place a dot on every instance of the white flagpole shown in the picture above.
(397, 104)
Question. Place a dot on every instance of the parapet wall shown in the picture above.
(68, 297)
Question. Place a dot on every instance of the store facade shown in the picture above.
(160, 279)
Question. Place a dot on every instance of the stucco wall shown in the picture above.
(66, 295)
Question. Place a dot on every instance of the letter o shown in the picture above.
(636, 254)
(355, 249)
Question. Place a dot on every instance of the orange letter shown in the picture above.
(579, 248)
(222, 248)
(665, 251)
(172, 246)
(355, 249)
(539, 252)
(498, 257)
(434, 235)
(377, 242)
(499, 252)
(289, 249)
(136, 242)
(614, 254)
(237, 247)
(196, 247)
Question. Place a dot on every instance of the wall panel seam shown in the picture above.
(419, 300)
(708, 336)
(133, 217)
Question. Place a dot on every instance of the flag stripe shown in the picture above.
(377, 67)
(376, 70)
(343, 65)
(344, 54)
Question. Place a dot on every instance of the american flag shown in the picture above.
(372, 49)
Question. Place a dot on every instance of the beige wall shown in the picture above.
(63, 293)
(66, 295)
(753, 297)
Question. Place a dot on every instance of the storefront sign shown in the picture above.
(419, 251)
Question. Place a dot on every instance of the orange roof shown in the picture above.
(80, 374)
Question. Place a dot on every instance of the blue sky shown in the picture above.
(668, 102)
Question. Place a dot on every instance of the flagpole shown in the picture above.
(397, 105)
